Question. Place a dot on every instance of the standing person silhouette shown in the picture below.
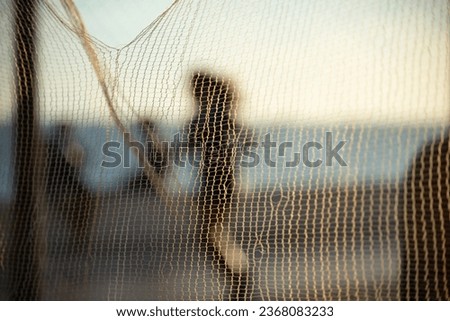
(214, 130)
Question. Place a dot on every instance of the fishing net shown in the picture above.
(233, 150)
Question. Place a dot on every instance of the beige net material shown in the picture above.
(233, 150)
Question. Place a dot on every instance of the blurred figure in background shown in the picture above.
(426, 225)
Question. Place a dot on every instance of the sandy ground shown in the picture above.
(299, 246)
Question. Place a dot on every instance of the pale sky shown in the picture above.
(294, 62)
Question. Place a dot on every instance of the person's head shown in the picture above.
(212, 91)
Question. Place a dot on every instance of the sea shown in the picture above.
(278, 156)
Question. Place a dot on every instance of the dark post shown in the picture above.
(23, 274)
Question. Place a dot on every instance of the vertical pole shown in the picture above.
(23, 275)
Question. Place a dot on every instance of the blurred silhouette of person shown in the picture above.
(65, 192)
(426, 225)
(155, 155)
(213, 129)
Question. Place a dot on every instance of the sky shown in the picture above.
(303, 64)
(293, 62)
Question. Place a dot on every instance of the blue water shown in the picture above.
(371, 154)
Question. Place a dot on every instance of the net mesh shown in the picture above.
(233, 150)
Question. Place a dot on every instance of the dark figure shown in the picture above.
(155, 155)
(67, 197)
(426, 225)
(214, 130)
